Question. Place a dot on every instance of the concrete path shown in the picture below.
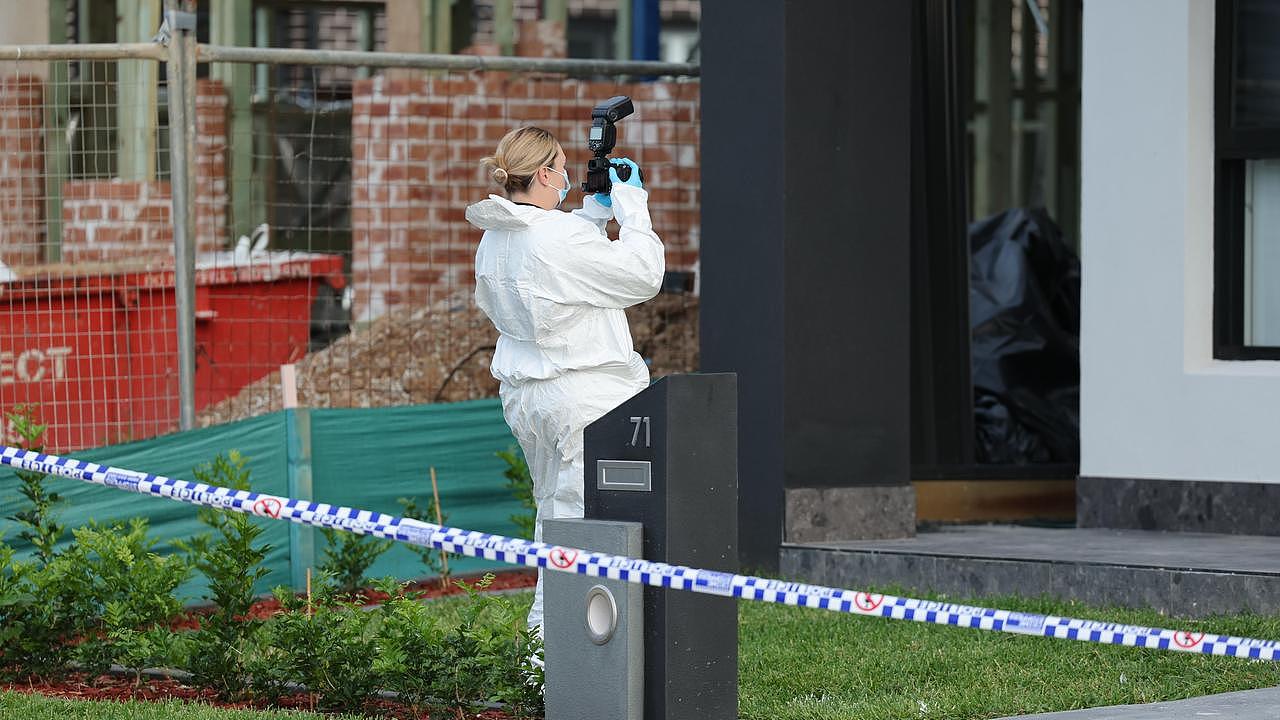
(1248, 705)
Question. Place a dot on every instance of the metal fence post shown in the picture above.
(182, 135)
(302, 541)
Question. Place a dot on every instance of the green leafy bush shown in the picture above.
(345, 654)
(231, 563)
(20, 641)
(409, 640)
(486, 656)
(107, 591)
(138, 649)
(348, 556)
(39, 527)
(33, 634)
(520, 484)
(108, 596)
(328, 644)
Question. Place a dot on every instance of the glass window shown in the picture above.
(1262, 252)
(1256, 61)
(1247, 180)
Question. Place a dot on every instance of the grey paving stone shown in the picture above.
(1248, 705)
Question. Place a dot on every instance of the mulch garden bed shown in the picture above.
(426, 589)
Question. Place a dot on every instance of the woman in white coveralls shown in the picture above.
(555, 286)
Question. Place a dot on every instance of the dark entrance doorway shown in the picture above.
(996, 131)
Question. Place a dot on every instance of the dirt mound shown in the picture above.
(442, 354)
(665, 333)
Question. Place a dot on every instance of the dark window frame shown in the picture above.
(1233, 148)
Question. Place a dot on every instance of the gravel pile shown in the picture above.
(441, 354)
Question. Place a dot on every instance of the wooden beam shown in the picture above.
(57, 152)
(556, 10)
(404, 26)
(137, 21)
(504, 25)
(231, 23)
(442, 22)
(622, 31)
(364, 32)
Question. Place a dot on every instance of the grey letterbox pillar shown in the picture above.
(668, 458)
(594, 646)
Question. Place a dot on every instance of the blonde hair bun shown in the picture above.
(519, 156)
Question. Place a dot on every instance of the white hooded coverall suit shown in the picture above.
(555, 286)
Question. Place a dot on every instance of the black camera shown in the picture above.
(600, 141)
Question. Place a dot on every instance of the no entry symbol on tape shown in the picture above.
(269, 507)
(867, 602)
(1186, 639)
(562, 558)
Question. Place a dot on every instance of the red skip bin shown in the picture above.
(95, 347)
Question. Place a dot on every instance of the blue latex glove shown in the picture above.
(635, 180)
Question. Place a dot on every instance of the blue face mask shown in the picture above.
(564, 191)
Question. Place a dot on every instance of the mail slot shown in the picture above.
(625, 475)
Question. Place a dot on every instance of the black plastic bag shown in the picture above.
(1024, 312)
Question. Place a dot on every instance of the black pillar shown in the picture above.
(806, 133)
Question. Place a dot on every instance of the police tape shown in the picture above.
(677, 577)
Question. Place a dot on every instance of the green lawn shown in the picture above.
(811, 664)
(797, 663)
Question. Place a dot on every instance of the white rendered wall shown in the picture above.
(1154, 403)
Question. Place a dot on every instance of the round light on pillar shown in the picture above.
(602, 614)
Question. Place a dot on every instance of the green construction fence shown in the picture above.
(362, 457)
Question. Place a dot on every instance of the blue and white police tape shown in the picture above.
(643, 572)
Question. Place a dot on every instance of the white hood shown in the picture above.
(499, 213)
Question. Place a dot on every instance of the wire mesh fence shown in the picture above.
(87, 307)
(330, 233)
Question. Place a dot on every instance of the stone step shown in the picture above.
(1184, 574)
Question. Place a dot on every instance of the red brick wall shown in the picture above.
(211, 198)
(21, 170)
(105, 220)
(416, 147)
(114, 219)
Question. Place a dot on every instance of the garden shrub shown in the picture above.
(486, 657)
(326, 643)
(409, 640)
(21, 642)
(109, 591)
(231, 563)
(520, 484)
(348, 556)
(108, 596)
(38, 525)
(32, 636)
